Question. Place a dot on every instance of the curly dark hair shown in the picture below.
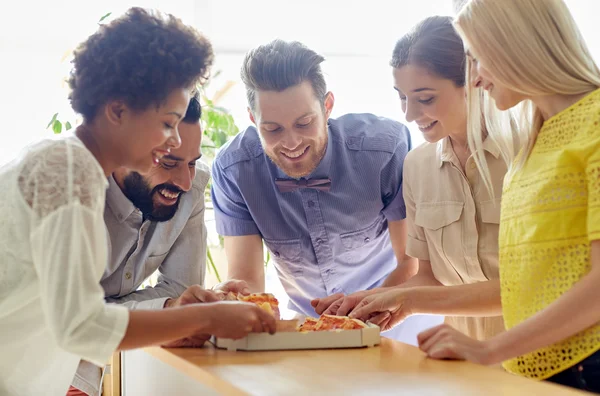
(139, 58)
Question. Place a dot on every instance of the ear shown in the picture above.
(115, 111)
(251, 116)
(328, 103)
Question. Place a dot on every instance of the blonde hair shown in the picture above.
(533, 47)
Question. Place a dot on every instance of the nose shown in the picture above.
(411, 112)
(476, 80)
(182, 177)
(174, 140)
(291, 140)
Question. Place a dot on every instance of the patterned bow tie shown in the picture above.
(287, 185)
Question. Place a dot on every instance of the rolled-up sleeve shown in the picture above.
(391, 177)
(231, 213)
(416, 244)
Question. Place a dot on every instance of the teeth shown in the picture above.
(426, 126)
(168, 194)
(296, 154)
(157, 156)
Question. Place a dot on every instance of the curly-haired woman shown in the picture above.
(131, 82)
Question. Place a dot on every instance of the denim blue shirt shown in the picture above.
(321, 242)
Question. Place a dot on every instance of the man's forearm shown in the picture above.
(256, 284)
(245, 260)
(148, 298)
(405, 270)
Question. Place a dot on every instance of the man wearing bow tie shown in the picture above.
(325, 195)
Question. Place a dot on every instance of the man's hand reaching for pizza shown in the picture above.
(231, 286)
(193, 295)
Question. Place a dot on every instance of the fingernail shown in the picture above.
(245, 290)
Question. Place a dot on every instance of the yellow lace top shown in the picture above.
(550, 213)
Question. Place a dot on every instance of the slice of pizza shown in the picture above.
(308, 324)
(331, 322)
(266, 301)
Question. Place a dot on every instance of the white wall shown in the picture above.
(355, 36)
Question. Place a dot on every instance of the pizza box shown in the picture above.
(287, 340)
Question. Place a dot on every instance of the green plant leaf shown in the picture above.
(104, 17)
(212, 264)
(57, 127)
(52, 120)
(68, 125)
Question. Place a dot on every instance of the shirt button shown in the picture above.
(367, 240)
(128, 275)
(311, 204)
(277, 254)
(473, 165)
(319, 241)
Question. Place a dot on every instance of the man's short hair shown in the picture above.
(279, 65)
(194, 110)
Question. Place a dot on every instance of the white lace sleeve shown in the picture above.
(65, 188)
(61, 173)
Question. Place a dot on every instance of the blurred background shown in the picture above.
(356, 37)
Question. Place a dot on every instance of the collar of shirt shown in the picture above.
(120, 205)
(445, 153)
(323, 169)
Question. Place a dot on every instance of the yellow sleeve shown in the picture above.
(592, 173)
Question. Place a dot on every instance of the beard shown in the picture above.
(318, 147)
(140, 193)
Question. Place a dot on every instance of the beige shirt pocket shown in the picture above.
(443, 232)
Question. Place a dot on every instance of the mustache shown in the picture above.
(169, 187)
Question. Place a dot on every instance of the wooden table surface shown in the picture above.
(392, 368)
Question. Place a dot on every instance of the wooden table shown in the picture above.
(392, 368)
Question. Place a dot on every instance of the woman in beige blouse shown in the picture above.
(452, 216)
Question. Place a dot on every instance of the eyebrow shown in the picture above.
(299, 118)
(418, 89)
(175, 113)
(176, 158)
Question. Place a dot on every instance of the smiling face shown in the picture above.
(293, 127)
(504, 97)
(157, 193)
(142, 137)
(435, 104)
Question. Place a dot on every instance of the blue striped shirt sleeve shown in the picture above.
(231, 212)
(391, 178)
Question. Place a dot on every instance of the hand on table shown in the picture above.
(194, 341)
(445, 342)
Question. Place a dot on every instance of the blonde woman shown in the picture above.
(531, 52)
(452, 218)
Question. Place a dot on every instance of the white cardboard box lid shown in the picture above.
(367, 337)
